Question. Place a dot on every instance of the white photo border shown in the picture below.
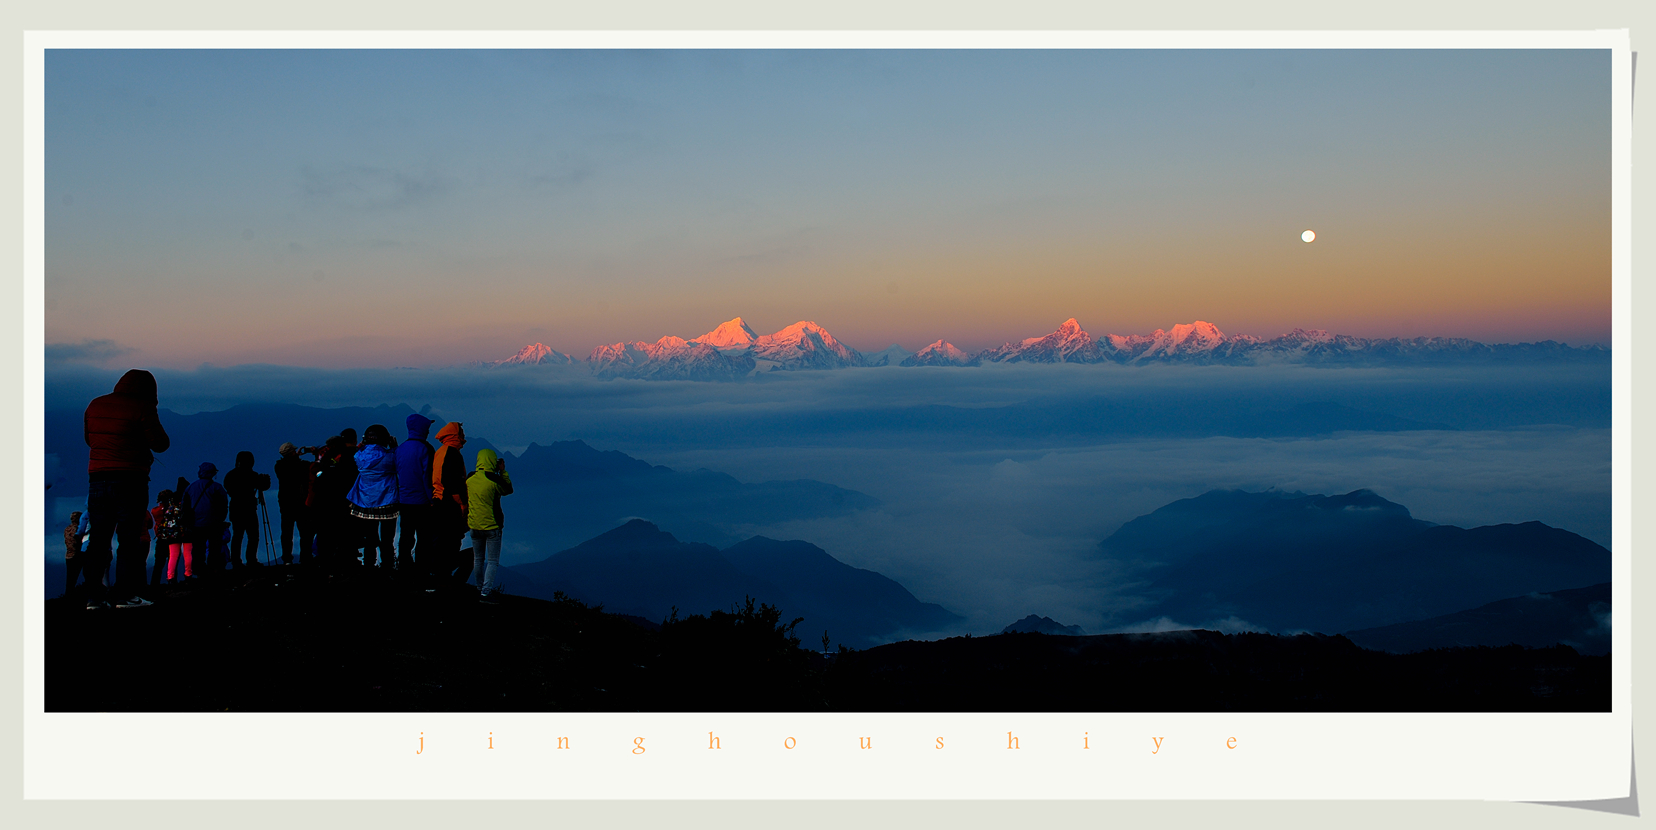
(1498, 756)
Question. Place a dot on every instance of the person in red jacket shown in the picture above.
(122, 431)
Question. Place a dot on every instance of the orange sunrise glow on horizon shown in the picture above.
(387, 208)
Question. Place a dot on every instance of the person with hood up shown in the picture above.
(122, 432)
(448, 499)
(373, 498)
(245, 488)
(210, 506)
(483, 491)
(292, 485)
(414, 483)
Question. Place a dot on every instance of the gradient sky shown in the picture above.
(382, 208)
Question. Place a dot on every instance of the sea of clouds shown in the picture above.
(998, 482)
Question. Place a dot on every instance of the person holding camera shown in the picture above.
(292, 484)
(245, 488)
(333, 474)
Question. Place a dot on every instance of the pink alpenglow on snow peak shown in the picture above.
(670, 358)
(1185, 339)
(729, 352)
(940, 353)
(731, 334)
(806, 345)
(536, 355)
(732, 351)
(1069, 344)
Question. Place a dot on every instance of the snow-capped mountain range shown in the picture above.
(732, 351)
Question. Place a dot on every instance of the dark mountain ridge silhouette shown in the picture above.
(639, 569)
(1033, 624)
(643, 570)
(1578, 618)
(855, 605)
(1442, 570)
(579, 492)
(1291, 561)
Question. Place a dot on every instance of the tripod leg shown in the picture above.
(264, 514)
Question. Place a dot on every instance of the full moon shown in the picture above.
(1309, 236)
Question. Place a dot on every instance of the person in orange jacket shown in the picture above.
(449, 504)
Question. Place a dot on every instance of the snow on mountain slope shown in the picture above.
(1069, 344)
(537, 354)
(939, 353)
(892, 355)
(732, 351)
(731, 334)
(670, 358)
(806, 345)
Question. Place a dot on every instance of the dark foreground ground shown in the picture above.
(292, 641)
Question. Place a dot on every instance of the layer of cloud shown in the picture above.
(367, 187)
(97, 352)
(997, 484)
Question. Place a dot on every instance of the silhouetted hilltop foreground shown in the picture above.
(1205, 671)
(286, 640)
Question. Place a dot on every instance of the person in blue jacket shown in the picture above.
(211, 506)
(414, 496)
(373, 497)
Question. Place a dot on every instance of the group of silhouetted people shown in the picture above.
(343, 504)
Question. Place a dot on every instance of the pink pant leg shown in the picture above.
(179, 549)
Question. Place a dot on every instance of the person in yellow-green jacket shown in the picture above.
(483, 491)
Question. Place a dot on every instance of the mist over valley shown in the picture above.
(984, 490)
